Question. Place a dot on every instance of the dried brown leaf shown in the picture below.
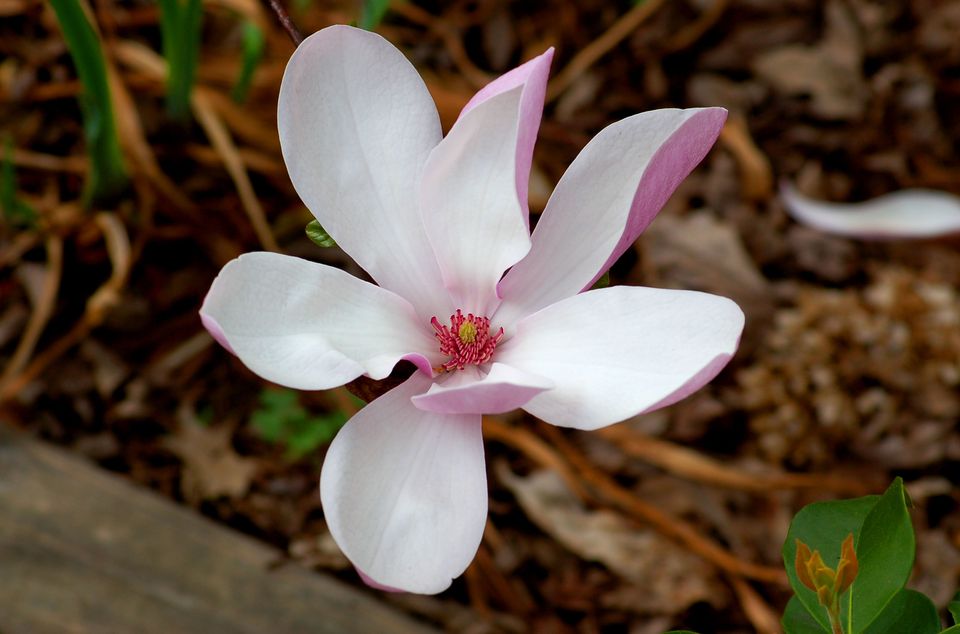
(672, 578)
(211, 467)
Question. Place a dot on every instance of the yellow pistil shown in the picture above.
(467, 332)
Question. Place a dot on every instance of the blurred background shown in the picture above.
(140, 154)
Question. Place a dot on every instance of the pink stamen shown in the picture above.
(466, 340)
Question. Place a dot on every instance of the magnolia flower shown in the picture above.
(908, 213)
(494, 318)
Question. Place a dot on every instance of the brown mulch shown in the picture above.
(848, 374)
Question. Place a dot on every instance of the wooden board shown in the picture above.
(82, 551)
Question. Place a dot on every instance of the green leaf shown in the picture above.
(602, 282)
(372, 12)
(797, 620)
(319, 235)
(282, 420)
(253, 42)
(954, 608)
(908, 611)
(952, 630)
(885, 549)
(180, 22)
(108, 177)
(823, 526)
(13, 210)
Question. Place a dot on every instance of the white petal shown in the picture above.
(356, 126)
(532, 77)
(470, 206)
(608, 196)
(909, 213)
(404, 491)
(309, 326)
(468, 391)
(616, 352)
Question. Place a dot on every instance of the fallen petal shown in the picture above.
(909, 213)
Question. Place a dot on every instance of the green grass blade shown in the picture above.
(13, 211)
(372, 12)
(180, 22)
(108, 176)
(252, 52)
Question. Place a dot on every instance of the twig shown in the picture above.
(601, 46)
(49, 162)
(756, 175)
(662, 521)
(535, 449)
(688, 35)
(760, 615)
(452, 40)
(40, 315)
(98, 305)
(286, 22)
(133, 140)
(22, 243)
(693, 465)
(476, 591)
(223, 144)
(146, 61)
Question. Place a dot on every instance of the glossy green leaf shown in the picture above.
(908, 612)
(180, 22)
(954, 608)
(372, 12)
(319, 235)
(107, 177)
(823, 526)
(253, 42)
(886, 548)
(797, 620)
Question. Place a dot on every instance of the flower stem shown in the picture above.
(835, 623)
(285, 21)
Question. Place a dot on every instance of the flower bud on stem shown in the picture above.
(829, 584)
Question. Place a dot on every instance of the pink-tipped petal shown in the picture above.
(909, 213)
(616, 352)
(373, 584)
(608, 196)
(356, 125)
(216, 331)
(309, 326)
(532, 76)
(467, 391)
(469, 202)
(404, 491)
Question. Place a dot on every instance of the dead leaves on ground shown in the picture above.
(211, 467)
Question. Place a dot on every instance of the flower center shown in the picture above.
(466, 340)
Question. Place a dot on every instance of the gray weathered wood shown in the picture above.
(82, 551)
